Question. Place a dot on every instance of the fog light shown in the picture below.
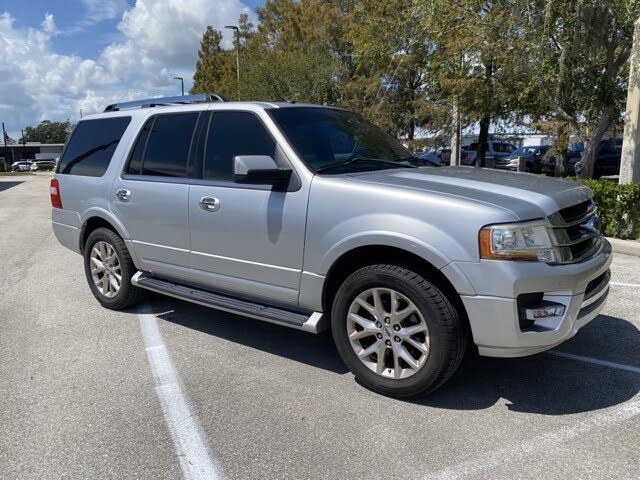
(545, 310)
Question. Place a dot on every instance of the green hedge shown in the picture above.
(618, 207)
(46, 167)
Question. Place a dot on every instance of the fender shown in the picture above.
(312, 284)
(388, 239)
(105, 215)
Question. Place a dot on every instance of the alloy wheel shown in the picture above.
(105, 269)
(388, 333)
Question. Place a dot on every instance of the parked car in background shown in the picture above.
(21, 166)
(494, 149)
(432, 158)
(608, 155)
(531, 155)
(46, 165)
(311, 217)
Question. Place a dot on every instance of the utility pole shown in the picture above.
(4, 137)
(237, 33)
(630, 162)
(4, 134)
(181, 83)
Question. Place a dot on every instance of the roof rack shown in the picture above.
(163, 101)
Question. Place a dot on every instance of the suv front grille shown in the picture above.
(577, 231)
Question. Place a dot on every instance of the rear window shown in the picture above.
(91, 146)
(163, 146)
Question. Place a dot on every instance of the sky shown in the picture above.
(59, 57)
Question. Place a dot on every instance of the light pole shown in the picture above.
(237, 32)
(181, 83)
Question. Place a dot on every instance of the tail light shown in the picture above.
(54, 190)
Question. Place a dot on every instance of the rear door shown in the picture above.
(252, 243)
(151, 196)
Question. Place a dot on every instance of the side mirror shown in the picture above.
(259, 170)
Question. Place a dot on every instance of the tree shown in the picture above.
(215, 67)
(47, 132)
(393, 59)
(478, 44)
(579, 52)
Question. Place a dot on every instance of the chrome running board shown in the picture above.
(313, 323)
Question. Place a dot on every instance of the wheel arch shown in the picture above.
(98, 218)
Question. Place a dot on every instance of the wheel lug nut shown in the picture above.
(388, 342)
(379, 335)
(396, 327)
(387, 320)
(378, 324)
(396, 338)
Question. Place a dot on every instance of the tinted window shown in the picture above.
(91, 146)
(135, 163)
(328, 136)
(232, 134)
(168, 147)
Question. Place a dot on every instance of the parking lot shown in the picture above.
(176, 390)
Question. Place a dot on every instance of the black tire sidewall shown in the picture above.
(437, 358)
(120, 300)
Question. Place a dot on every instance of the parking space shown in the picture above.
(90, 392)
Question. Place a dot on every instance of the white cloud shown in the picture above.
(160, 40)
(48, 24)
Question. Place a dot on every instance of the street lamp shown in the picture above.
(181, 83)
(237, 32)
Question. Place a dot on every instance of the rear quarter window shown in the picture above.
(91, 146)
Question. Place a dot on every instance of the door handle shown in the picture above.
(210, 204)
(123, 194)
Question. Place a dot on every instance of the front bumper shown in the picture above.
(506, 167)
(493, 312)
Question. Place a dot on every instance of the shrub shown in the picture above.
(46, 167)
(618, 207)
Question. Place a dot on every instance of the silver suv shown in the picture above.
(312, 218)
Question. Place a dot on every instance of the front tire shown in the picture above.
(397, 331)
(109, 268)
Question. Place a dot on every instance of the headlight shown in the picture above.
(514, 161)
(519, 241)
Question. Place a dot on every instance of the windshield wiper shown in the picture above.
(360, 159)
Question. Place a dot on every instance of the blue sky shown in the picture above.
(60, 56)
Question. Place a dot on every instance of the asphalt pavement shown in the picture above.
(174, 390)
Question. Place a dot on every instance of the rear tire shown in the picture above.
(109, 268)
(436, 350)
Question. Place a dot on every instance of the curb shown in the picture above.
(627, 247)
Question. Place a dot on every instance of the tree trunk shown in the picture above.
(630, 162)
(483, 138)
(560, 150)
(588, 159)
(455, 138)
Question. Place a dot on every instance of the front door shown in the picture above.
(245, 239)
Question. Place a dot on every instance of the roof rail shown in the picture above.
(162, 101)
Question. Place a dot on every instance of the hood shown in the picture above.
(527, 196)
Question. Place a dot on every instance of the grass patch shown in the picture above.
(14, 174)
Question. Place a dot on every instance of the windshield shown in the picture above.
(328, 136)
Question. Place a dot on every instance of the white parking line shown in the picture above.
(187, 434)
(625, 284)
(605, 363)
(545, 442)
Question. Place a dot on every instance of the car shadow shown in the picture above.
(8, 185)
(546, 384)
(542, 384)
(314, 350)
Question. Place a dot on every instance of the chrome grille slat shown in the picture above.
(576, 229)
